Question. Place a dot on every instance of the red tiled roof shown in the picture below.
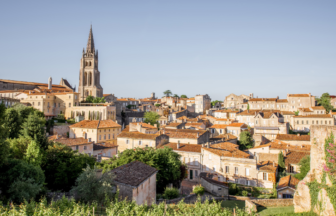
(138, 135)
(219, 126)
(184, 133)
(184, 147)
(237, 125)
(96, 124)
(298, 95)
(267, 166)
(293, 137)
(314, 116)
(288, 181)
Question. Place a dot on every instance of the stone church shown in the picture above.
(89, 75)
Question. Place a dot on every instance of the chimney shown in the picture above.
(50, 83)
(178, 144)
(57, 136)
(208, 144)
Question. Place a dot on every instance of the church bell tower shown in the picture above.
(89, 75)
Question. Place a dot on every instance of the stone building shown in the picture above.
(96, 130)
(294, 139)
(94, 111)
(8, 101)
(143, 128)
(233, 101)
(286, 187)
(103, 150)
(89, 75)
(130, 140)
(312, 111)
(236, 129)
(270, 124)
(187, 136)
(202, 103)
(15, 85)
(136, 181)
(225, 114)
(52, 104)
(304, 123)
(211, 184)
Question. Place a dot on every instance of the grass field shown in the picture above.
(287, 210)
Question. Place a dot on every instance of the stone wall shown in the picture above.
(268, 157)
(251, 205)
(215, 189)
(302, 199)
(60, 130)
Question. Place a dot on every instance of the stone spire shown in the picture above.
(90, 45)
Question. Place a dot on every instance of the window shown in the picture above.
(298, 122)
(85, 147)
(291, 169)
(247, 172)
(209, 156)
(329, 122)
(248, 182)
(265, 176)
(69, 104)
(307, 122)
(150, 143)
(302, 122)
(99, 137)
(77, 147)
(109, 136)
(313, 122)
(236, 170)
(214, 168)
(326, 122)
(196, 161)
(316, 122)
(196, 173)
(104, 137)
(59, 104)
(236, 181)
(227, 170)
(140, 142)
(256, 122)
(185, 160)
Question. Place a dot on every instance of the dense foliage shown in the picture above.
(30, 164)
(166, 161)
(199, 190)
(324, 101)
(245, 140)
(304, 167)
(170, 193)
(91, 186)
(151, 118)
(213, 103)
(167, 93)
(91, 99)
(184, 96)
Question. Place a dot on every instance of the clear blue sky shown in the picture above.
(191, 47)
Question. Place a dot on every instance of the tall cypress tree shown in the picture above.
(281, 160)
(12, 123)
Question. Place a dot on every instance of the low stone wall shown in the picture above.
(242, 198)
(192, 198)
(60, 130)
(250, 206)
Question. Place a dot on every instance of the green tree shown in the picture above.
(213, 103)
(18, 146)
(167, 93)
(176, 96)
(165, 160)
(248, 106)
(99, 100)
(20, 180)
(297, 113)
(89, 115)
(92, 187)
(89, 99)
(157, 105)
(34, 127)
(245, 140)
(151, 118)
(4, 146)
(281, 161)
(324, 101)
(304, 167)
(12, 123)
(97, 115)
(184, 96)
(62, 166)
(33, 154)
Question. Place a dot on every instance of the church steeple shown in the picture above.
(90, 45)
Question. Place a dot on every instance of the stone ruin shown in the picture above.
(302, 199)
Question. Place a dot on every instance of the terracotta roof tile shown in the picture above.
(96, 124)
(237, 125)
(184, 133)
(294, 157)
(72, 141)
(293, 137)
(184, 147)
(298, 95)
(227, 149)
(138, 135)
(133, 173)
(144, 125)
(226, 137)
(314, 116)
(288, 181)
(219, 126)
(267, 166)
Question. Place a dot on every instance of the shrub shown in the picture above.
(244, 193)
(199, 190)
(171, 193)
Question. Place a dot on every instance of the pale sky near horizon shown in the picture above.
(218, 47)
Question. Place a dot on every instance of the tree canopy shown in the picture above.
(184, 96)
(213, 103)
(324, 101)
(165, 160)
(304, 167)
(91, 99)
(151, 118)
(245, 140)
(176, 96)
(167, 93)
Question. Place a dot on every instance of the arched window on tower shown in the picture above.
(90, 63)
(85, 78)
(86, 63)
(90, 79)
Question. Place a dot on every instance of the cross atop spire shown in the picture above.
(90, 45)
